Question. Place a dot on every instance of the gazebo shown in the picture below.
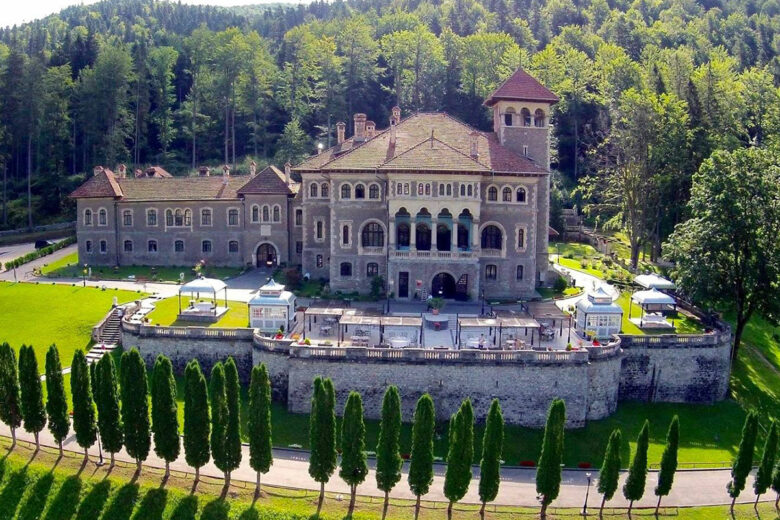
(653, 281)
(197, 310)
(598, 313)
(271, 308)
(654, 304)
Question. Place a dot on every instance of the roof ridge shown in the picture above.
(428, 139)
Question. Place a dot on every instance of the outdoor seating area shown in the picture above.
(197, 309)
(654, 306)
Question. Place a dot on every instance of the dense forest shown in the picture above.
(657, 85)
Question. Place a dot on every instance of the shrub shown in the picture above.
(34, 255)
(292, 278)
(560, 284)
(307, 342)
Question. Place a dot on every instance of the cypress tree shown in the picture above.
(668, 462)
(388, 456)
(107, 397)
(196, 418)
(610, 469)
(83, 406)
(744, 461)
(56, 401)
(322, 435)
(135, 406)
(10, 406)
(421, 467)
(459, 455)
(634, 487)
(490, 465)
(165, 423)
(548, 474)
(354, 468)
(33, 411)
(233, 425)
(259, 423)
(219, 416)
(764, 473)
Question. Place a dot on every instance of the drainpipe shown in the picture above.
(116, 232)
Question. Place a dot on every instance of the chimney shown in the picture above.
(341, 126)
(204, 171)
(138, 173)
(370, 129)
(122, 171)
(97, 170)
(396, 117)
(287, 167)
(225, 174)
(474, 144)
(392, 133)
(150, 171)
(360, 126)
(252, 168)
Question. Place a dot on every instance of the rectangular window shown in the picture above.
(298, 217)
(127, 218)
(233, 246)
(88, 246)
(178, 246)
(205, 217)
(205, 246)
(519, 272)
(152, 246)
(128, 246)
(299, 247)
(319, 261)
(103, 246)
(320, 235)
(233, 217)
(372, 269)
(491, 272)
(151, 217)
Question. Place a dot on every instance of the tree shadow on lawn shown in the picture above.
(152, 505)
(250, 514)
(12, 493)
(65, 502)
(93, 503)
(32, 508)
(121, 505)
(186, 509)
(217, 509)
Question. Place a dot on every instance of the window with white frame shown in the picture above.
(151, 246)
(205, 246)
(506, 194)
(346, 191)
(87, 217)
(178, 246)
(319, 230)
(318, 261)
(128, 246)
(277, 214)
(345, 270)
(360, 191)
(520, 195)
(491, 272)
(232, 217)
(492, 194)
(373, 192)
(266, 214)
(313, 189)
(324, 190)
(102, 217)
(372, 269)
(127, 218)
(255, 213)
(151, 217)
(205, 217)
(233, 246)
(103, 247)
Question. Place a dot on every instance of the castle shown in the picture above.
(430, 204)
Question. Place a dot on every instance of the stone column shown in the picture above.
(434, 225)
(391, 233)
(475, 235)
(454, 236)
(412, 235)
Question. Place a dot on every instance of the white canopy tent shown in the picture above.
(653, 281)
(655, 302)
(210, 286)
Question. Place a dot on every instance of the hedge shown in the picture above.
(38, 253)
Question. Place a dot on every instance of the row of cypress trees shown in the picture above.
(768, 474)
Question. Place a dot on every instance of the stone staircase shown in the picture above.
(108, 340)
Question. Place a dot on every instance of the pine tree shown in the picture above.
(233, 424)
(322, 435)
(354, 468)
(10, 407)
(610, 469)
(259, 423)
(459, 455)
(33, 411)
(196, 418)
(388, 456)
(421, 467)
(83, 406)
(165, 423)
(668, 462)
(744, 461)
(107, 400)
(548, 474)
(56, 400)
(764, 473)
(219, 416)
(490, 465)
(135, 406)
(634, 487)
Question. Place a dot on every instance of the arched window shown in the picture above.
(520, 195)
(519, 272)
(87, 217)
(178, 246)
(422, 237)
(298, 217)
(492, 238)
(520, 238)
(205, 217)
(373, 191)
(233, 246)
(102, 217)
(449, 190)
(539, 118)
(255, 213)
(506, 194)
(168, 217)
(277, 214)
(372, 235)
(346, 191)
(232, 217)
(178, 218)
(151, 217)
(462, 190)
(441, 190)
(266, 214)
(324, 190)
(346, 269)
(320, 235)
(188, 217)
(525, 114)
(205, 246)
(313, 191)
(345, 235)
(471, 190)
(492, 193)
(360, 191)
(508, 116)
(372, 269)
(402, 235)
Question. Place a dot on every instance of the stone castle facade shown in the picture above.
(429, 203)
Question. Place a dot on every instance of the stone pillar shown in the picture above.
(475, 235)
(434, 226)
(454, 235)
(412, 235)
(391, 233)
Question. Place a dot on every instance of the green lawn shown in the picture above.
(68, 267)
(167, 310)
(42, 314)
(548, 293)
(682, 324)
(583, 257)
(39, 486)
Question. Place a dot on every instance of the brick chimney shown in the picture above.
(138, 173)
(370, 129)
(360, 126)
(287, 167)
(204, 171)
(395, 118)
(252, 168)
(474, 138)
(341, 126)
(392, 133)
(121, 171)
(96, 170)
(225, 174)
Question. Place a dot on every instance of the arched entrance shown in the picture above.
(443, 286)
(266, 255)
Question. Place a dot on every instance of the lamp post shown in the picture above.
(587, 491)
(558, 252)
(84, 275)
(482, 299)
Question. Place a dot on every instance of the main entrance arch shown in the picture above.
(266, 255)
(443, 286)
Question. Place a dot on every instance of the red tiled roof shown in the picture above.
(524, 87)
(267, 181)
(102, 184)
(182, 188)
(433, 154)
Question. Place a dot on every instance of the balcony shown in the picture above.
(433, 255)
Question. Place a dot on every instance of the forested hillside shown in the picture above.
(658, 84)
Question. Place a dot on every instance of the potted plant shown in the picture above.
(436, 304)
